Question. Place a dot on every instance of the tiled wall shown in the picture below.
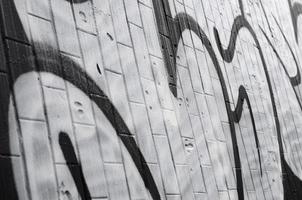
(150, 99)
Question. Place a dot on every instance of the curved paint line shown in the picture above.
(228, 54)
(83, 80)
(295, 11)
(241, 22)
(292, 184)
(190, 24)
(293, 80)
(80, 79)
(242, 97)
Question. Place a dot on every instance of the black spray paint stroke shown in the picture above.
(125, 136)
(295, 80)
(288, 177)
(75, 169)
(175, 31)
(294, 186)
(174, 35)
(294, 183)
(189, 23)
(7, 181)
(80, 79)
(212, 55)
(295, 11)
(227, 56)
(243, 97)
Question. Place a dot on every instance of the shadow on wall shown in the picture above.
(75, 75)
(22, 64)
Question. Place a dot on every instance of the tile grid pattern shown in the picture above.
(185, 140)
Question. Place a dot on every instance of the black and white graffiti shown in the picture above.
(28, 61)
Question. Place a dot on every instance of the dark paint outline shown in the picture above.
(81, 81)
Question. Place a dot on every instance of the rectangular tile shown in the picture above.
(201, 146)
(120, 100)
(117, 184)
(65, 27)
(194, 70)
(153, 107)
(120, 22)
(130, 72)
(137, 188)
(205, 117)
(84, 16)
(186, 84)
(132, 11)
(91, 159)
(210, 183)
(59, 120)
(39, 162)
(47, 53)
(107, 130)
(166, 165)
(104, 23)
(184, 181)
(150, 30)
(217, 165)
(141, 52)
(39, 8)
(80, 105)
(143, 132)
(162, 83)
(93, 61)
(174, 136)
(67, 185)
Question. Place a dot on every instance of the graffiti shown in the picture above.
(243, 97)
(170, 30)
(80, 79)
(193, 26)
(70, 157)
(295, 80)
(295, 10)
(239, 23)
(234, 116)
